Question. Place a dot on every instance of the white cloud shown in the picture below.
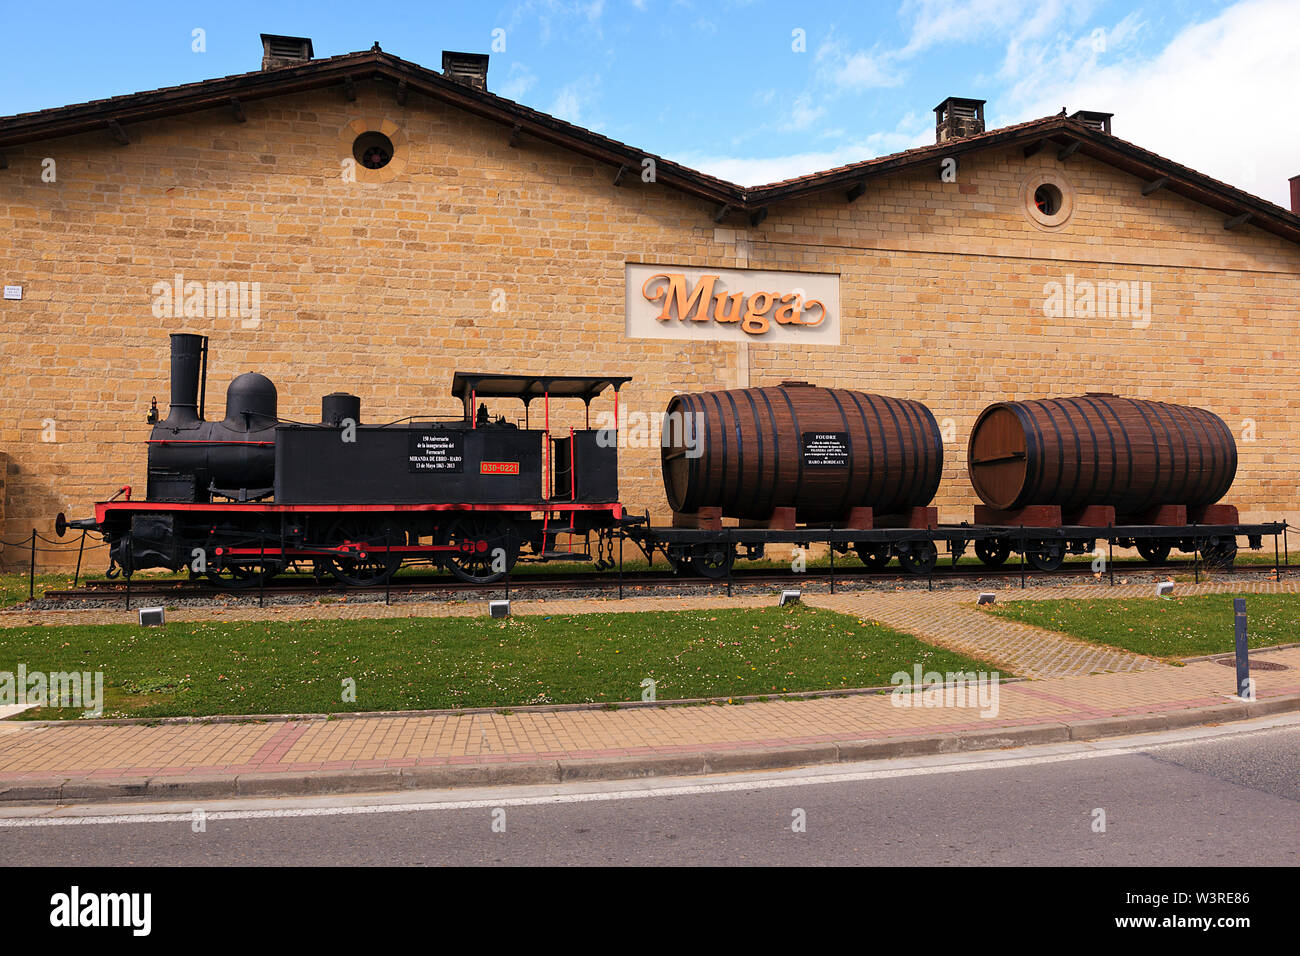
(574, 101)
(803, 114)
(1212, 99)
(842, 70)
(519, 80)
(913, 130)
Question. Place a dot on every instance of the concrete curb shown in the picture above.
(704, 761)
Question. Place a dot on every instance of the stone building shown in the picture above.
(361, 223)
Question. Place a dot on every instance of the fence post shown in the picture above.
(80, 551)
(31, 572)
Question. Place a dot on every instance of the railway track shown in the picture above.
(408, 586)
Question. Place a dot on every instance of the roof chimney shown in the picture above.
(957, 118)
(1295, 195)
(1098, 121)
(278, 51)
(468, 68)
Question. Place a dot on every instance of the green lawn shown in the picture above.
(1178, 627)
(299, 667)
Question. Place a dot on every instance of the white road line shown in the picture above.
(803, 778)
(562, 798)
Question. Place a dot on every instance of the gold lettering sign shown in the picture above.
(754, 311)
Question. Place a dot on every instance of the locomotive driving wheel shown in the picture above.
(486, 547)
(376, 567)
(992, 551)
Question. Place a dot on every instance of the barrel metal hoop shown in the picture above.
(740, 446)
(1046, 406)
(1155, 498)
(1194, 491)
(758, 440)
(776, 448)
(847, 497)
(798, 437)
(1034, 451)
(1109, 497)
(1128, 445)
(871, 457)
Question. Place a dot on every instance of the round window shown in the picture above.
(1047, 198)
(372, 150)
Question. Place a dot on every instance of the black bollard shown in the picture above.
(1244, 688)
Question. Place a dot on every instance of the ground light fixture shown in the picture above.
(1164, 589)
(499, 608)
(988, 597)
(790, 597)
(152, 617)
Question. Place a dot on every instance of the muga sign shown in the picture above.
(736, 305)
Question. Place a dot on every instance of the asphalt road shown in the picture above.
(1225, 796)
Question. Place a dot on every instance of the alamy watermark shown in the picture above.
(638, 430)
(208, 300)
(1103, 299)
(922, 688)
(81, 690)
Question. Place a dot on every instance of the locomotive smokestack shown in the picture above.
(187, 356)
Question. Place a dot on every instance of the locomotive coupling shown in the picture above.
(62, 524)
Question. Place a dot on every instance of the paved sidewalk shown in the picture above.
(72, 762)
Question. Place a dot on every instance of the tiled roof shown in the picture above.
(117, 112)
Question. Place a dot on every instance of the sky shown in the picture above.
(753, 91)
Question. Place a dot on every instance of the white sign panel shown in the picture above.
(13, 292)
(732, 305)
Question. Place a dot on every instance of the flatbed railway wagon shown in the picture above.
(801, 465)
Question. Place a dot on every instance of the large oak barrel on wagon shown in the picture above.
(821, 451)
(1099, 449)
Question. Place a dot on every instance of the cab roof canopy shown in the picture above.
(474, 385)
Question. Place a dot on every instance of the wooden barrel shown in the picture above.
(820, 451)
(1099, 449)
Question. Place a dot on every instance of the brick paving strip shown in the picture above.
(73, 762)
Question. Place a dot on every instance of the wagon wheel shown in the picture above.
(992, 551)
(713, 560)
(680, 560)
(487, 548)
(918, 557)
(376, 567)
(874, 556)
(1045, 555)
(1153, 550)
(1220, 553)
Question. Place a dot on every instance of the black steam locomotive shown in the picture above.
(241, 499)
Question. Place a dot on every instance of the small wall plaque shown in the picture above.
(13, 292)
